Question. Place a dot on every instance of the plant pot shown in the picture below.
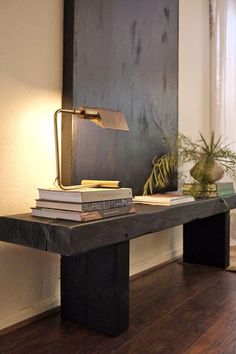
(215, 174)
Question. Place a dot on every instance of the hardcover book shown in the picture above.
(163, 199)
(213, 190)
(212, 194)
(84, 195)
(81, 216)
(214, 187)
(84, 207)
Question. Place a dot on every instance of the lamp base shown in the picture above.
(74, 187)
(89, 184)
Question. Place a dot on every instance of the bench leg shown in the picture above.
(95, 289)
(206, 241)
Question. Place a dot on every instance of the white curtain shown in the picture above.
(223, 75)
(223, 65)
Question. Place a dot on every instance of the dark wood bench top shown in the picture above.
(70, 238)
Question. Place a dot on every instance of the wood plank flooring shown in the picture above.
(178, 308)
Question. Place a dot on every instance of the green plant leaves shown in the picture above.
(182, 150)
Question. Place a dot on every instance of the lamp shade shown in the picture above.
(105, 118)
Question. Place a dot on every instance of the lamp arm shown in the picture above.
(58, 169)
(57, 153)
(96, 116)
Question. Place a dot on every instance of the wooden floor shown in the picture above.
(175, 309)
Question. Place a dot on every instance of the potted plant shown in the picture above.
(211, 159)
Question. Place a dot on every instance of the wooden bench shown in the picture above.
(95, 255)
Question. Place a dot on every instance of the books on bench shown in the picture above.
(85, 207)
(83, 204)
(166, 199)
(217, 189)
(81, 216)
(84, 195)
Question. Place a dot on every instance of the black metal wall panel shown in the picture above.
(126, 58)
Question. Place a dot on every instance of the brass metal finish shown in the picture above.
(105, 118)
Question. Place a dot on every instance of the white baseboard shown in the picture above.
(156, 260)
(30, 311)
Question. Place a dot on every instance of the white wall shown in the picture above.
(194, 67)
(30, 91)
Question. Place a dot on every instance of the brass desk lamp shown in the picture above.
(105, 118)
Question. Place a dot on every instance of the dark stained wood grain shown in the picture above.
(173, 309)
(95, 289)
(187, 323)
(125, 57)
(24, 231)
(71, 238)
(74, 289)
(108, 289)
(220, 337)
(206, 241)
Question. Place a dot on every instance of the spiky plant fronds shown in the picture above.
(162, 169)
(181, 150)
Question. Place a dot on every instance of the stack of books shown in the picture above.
(84, 204)
(218, 189)
(167, 199)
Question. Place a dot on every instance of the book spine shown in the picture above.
(210, 187)
(213, 187)
(225, 193)
(225, 189)
(85, 207)
(106, 204)
(106, 213)
(98, 195)
(224, 186)
(78, 216)
(208, 195)
(85, 196)
(212, 194)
